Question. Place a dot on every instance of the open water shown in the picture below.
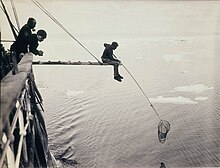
(172, 50)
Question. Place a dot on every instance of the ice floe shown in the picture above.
(173, 100)
(197, 88)
(201, 98)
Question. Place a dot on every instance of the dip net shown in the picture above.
(163, 129)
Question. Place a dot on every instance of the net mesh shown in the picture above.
(163, 129)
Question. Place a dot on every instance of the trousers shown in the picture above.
(115, 64)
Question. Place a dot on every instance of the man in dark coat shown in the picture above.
(107, 57)
(23, 39)
(33, 44)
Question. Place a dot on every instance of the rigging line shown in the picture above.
(4, 10)
(141, 90)
(13, 29)
(62, 27)
(15, 13)
(59, 24)
(7, 41)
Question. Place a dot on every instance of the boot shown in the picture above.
(117, 78)
(120, 76)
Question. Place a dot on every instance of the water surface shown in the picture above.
(171, 48)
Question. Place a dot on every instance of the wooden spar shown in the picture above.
(67, 63)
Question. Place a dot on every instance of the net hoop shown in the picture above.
(163, 129)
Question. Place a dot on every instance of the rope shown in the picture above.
(7, 41)
(145, 95)
(64, 29)
(15, 14)
(142, 91)
(14, 30)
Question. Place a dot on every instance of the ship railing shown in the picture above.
(23, 136)
(21, 119)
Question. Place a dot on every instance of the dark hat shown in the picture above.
(115, 44)
(42, 33)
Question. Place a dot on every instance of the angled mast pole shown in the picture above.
(15, 14)
(13, 29)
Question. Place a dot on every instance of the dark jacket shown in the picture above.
(108, 52)
(33, 44)
(22, 41)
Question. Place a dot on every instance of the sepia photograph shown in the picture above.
(110, 83)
